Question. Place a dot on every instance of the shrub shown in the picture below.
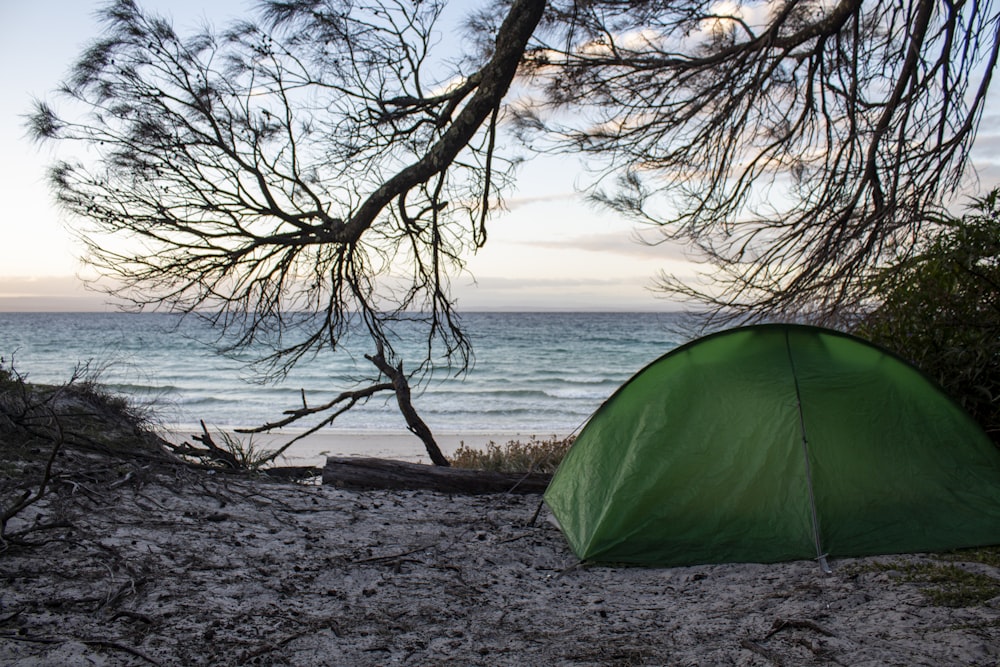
(940, 309)
(515, 456)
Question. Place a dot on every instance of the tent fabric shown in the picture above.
(776, 442)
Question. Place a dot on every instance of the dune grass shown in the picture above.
(535, 455)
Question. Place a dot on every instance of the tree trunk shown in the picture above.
(414, 423)
(372, 473)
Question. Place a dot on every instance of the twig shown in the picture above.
(217, 452)
(571, 568)
(106, 643)
(11, 616)
(127, 588)
(765, 653)
(392, 557)
(29, 498)
(32, 639)
(323, 624)
(51, 525)
(783, 623)
(351, 397)
(124, 480)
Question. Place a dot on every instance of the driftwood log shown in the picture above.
(373, 473)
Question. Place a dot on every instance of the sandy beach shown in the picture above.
(398, 445)
(132, 563)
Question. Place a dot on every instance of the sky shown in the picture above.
(550, 251)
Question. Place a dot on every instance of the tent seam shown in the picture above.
(817, 538)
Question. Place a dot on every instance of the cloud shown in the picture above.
(555, 294)
(635, 245)
(520, 202)
(986, 147)
(985, 178)
(518, 284)
(49, 294)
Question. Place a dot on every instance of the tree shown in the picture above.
(322, 172)
(940, 308)
(298, 184)
(793, 146)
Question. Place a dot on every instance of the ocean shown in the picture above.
(537, 373)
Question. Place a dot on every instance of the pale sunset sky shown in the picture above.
(550, 251)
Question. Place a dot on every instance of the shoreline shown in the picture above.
(386, 444)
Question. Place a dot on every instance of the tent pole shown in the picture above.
(820, 556)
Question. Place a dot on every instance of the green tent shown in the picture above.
(771, 443)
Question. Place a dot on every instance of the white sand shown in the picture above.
(145, 564)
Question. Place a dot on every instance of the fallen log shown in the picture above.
(373, 473)
(292, 473)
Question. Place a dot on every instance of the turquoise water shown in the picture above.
(541, 373)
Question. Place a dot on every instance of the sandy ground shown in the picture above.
(135, 564)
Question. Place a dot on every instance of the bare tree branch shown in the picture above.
(298, 181)
(794, 146)
(323, 172)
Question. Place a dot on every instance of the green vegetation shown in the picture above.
(946, 584)
(952, 586)
(79, 432)
(49, 433)
(246, 453)
(84, 414)
(985, 555)
(80, 413)
(233, 453)
(515, 456)
(940, 309)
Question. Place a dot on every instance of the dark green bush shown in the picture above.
(940, 309)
